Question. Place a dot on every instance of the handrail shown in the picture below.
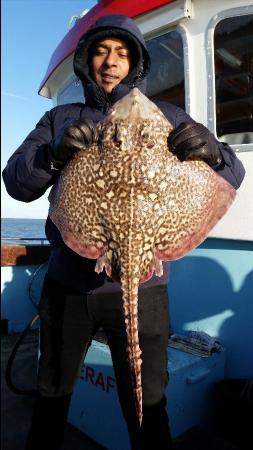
(41, 239)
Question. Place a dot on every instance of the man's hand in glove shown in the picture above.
(75, 137)
(194, 141)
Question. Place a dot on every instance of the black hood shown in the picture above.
(123, 27)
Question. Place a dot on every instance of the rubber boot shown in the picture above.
(154, 433)
(49, 421)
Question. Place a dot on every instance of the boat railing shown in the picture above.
(14, 240)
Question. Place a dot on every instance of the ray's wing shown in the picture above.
(194, 199)
(73, 204)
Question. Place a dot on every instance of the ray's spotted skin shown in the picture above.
(128, 202)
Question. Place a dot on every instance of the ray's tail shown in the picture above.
(129, 285)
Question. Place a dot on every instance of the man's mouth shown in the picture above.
(108, 78)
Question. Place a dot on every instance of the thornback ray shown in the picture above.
(129, 202)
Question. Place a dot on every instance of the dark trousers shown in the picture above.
(69, 321)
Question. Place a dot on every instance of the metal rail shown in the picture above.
(42, 240)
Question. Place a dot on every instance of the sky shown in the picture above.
(31, 31)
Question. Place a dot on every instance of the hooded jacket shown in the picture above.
(28, 173)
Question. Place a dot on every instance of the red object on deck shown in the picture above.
(131, 8)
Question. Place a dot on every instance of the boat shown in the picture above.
(201, 61)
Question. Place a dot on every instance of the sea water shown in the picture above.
(22, 229)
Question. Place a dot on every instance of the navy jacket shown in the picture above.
(28, 174)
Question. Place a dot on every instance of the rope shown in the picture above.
(8, 376)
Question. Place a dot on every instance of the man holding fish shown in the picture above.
(111, 60)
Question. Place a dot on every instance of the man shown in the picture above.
(110, 59)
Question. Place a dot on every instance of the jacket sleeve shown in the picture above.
(27, 174)
(231, 167)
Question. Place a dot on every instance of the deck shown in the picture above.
(16, 409)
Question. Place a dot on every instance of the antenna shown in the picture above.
(74, 19)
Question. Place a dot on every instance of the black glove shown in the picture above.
(75, 137)
(194, 141)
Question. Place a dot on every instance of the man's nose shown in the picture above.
(111, 59)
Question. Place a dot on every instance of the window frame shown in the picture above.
(210, 66)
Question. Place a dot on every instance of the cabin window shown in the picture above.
(166, 78)
(72, 93)
(233, 57)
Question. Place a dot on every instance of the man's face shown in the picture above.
(110, 63)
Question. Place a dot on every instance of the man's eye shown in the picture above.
(100, 51)
(123, 55)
